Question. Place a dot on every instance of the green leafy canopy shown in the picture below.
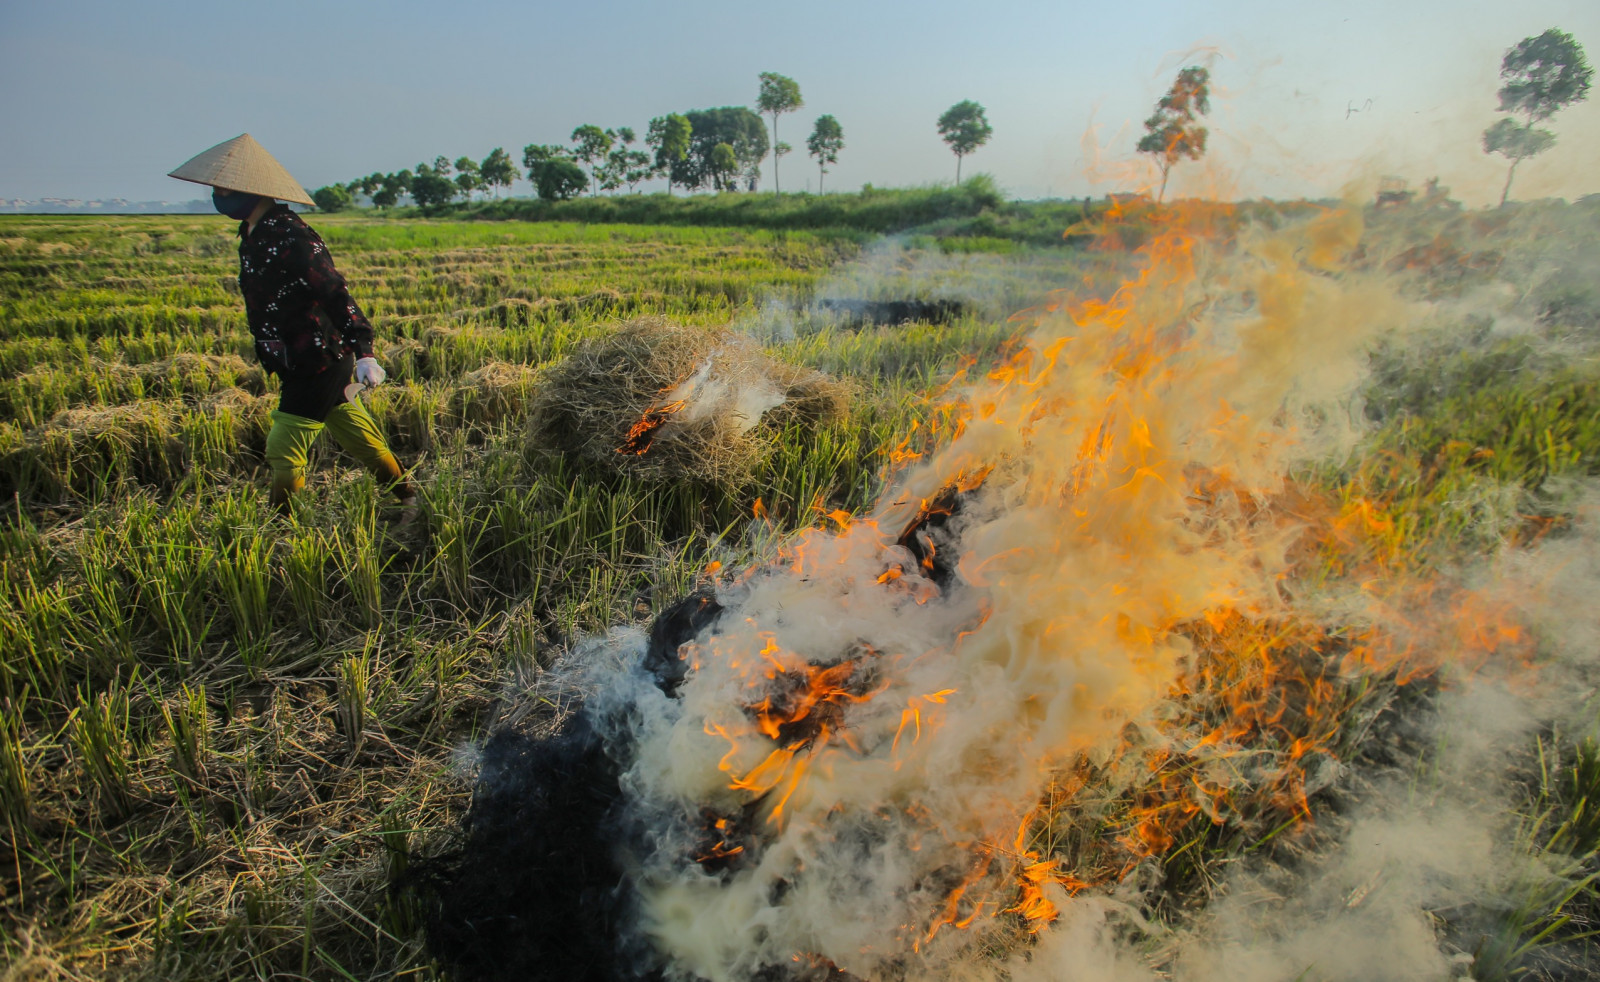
(1171, 132)
(1517, 142)
(965, 127)
(738, 127)
(1544, 74)
(558, 179)
(779, 94)
(334, 197)
(497, 169)
(826, 140)
(669, 136)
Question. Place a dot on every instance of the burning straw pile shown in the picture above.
(669, 402)
(1092, 634)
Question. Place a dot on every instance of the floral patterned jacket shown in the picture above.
(300, 314)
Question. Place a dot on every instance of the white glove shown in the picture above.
(369, 372)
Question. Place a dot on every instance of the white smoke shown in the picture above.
(985, 285)
(735, 397)
(885, 842)
(875, 841)
(1407, 884)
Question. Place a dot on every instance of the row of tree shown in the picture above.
(723, 148)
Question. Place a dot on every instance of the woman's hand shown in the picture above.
(369, 372)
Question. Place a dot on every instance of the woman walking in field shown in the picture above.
(308, 330)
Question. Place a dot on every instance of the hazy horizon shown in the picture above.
(103, 99)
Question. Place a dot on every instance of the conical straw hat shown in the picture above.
(242, 164)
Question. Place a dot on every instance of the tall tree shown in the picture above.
(724, 164)
(624, 165)
(739, 128)
(824, 143)
(965, 128)
(608, 170)
(636, 165)
(779, 94)
(1542, 75)
(1172, 131)
(432, 185)
(591, 146)
(334, 197)
(669, 135)
(468, 177)
(555, 175)
(498, 170)
(390, 188)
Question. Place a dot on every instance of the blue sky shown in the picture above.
(101, 99)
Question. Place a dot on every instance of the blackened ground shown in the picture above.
(535, 892)
(865, 313)
(672, 629)
(930, 538)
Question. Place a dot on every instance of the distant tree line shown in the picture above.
(719, 149)
(723, 149)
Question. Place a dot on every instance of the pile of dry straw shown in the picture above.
(711, 401)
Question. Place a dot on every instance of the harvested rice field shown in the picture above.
(234, 745)
(323, 674)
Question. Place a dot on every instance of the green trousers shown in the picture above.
(289, 446)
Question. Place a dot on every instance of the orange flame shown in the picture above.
(642, 434)
(1197, 545)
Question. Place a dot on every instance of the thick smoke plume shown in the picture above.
(1091, 589)
(1107, 479)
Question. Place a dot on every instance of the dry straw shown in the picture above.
(497, 392)
(588, 402)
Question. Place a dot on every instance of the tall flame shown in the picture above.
(871, 753)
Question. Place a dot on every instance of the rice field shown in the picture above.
(225, 738)
(223, 735)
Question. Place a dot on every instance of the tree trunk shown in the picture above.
(820, 173)
(958, 170)
(776, 187)
(1509, 175)
(1163, 192)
